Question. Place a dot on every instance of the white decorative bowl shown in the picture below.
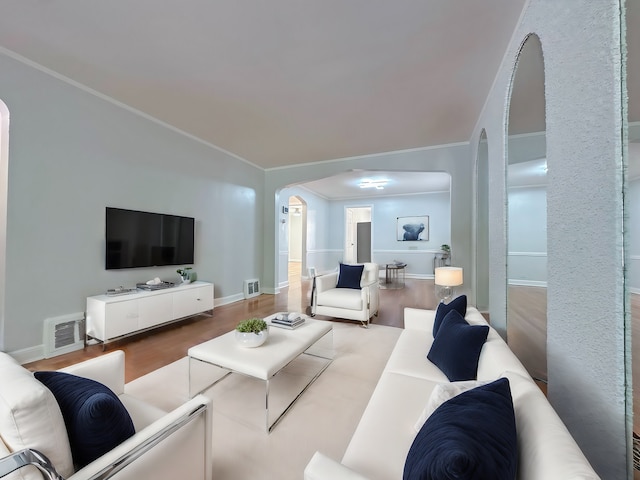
(250, 339)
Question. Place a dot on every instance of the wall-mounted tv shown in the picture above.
(143, 239)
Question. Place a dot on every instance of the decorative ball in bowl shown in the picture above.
(252, 332)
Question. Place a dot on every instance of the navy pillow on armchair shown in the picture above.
(350, 276)
(459, 304)
(95, 418)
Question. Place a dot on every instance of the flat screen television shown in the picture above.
(143, 239)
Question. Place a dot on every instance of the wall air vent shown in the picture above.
(251, 288)
(63, 334)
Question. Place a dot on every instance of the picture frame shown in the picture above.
(412, 229)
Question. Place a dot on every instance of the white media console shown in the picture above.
(111, 317)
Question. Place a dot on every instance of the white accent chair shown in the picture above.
(347, 303)
(34, 442)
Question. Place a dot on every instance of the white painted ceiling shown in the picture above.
(283, 82)
(346, 185)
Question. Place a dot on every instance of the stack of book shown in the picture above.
(287, 320)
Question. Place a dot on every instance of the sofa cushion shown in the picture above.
(96, 419)
(346, 298)
(456, 348)
(471, 436)
(350, 276)
(30, 418)
(546, 447)
(459, 304)
(441, 393)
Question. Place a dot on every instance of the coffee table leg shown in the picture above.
(193, 390)
(266, 406)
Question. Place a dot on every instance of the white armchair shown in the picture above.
(360, 304)
(166, 445)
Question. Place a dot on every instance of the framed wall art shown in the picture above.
(413, 229)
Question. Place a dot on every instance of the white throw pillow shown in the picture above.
(443, 392)
(30, 418)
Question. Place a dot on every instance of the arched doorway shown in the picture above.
(297, 261)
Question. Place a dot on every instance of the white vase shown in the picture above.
(250, 339)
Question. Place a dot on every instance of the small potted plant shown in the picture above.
(187, 275)
(252, 332)
(446, 250)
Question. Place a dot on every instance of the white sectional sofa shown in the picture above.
(165, 445)
(386, 431)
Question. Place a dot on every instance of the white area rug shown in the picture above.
(324, 417)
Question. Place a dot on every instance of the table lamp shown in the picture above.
(446, 279)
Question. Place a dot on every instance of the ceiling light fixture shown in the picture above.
(377, 184)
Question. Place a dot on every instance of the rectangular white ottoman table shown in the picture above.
(314, 337)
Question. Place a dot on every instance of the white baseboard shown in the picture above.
(28, 355)
(227, 300)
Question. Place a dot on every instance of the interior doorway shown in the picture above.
(358, 234)
(297, 239)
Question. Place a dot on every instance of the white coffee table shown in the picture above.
(314, 337)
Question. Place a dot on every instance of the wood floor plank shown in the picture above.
(151, 350)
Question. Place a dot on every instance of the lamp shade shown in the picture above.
(448, 276)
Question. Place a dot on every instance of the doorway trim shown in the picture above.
(350, 230)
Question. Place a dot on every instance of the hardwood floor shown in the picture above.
(149, 351)
(527, 328)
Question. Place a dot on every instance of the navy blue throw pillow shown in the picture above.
(349, 276)
(95, 418)
(456, 348)
(471, 436)
(458, 304)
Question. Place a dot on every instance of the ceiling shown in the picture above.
(284, 82)
(346, 185)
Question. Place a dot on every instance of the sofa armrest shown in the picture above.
(321, 467)
(25, 458)
(177, 445)
(326, 282)
(107, 369)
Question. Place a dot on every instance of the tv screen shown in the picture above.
(144, 239)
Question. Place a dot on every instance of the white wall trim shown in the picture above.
(527, 254)
(29, 354)
(371, 155)
(408, 251)
(527, 283)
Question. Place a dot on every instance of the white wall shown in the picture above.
(4, 186)
(295, 237)
(586, 319)
(319, 255)
(453, 159)
(71, 155)
(527, 240)
(326, 221)
(385, 210)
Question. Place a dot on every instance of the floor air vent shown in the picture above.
(251, 288)
(63, 334)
